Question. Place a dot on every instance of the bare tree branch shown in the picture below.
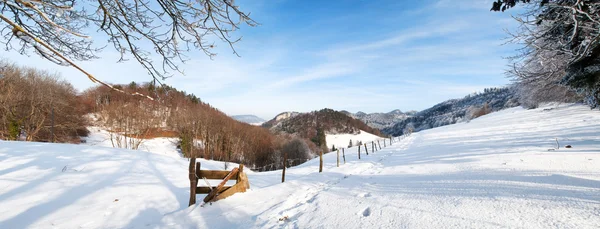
(55, 29)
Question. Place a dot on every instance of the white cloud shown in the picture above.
(329, 70)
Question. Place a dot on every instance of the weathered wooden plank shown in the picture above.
(239, 187)
(240, 172)
(321, 161)
(244, 181)
(193, 181)
(197, 169)
(206, 190)
(284, 165)
(219, 187)
(215, 174)
(338, 158)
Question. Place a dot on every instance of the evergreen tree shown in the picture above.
(319, 139)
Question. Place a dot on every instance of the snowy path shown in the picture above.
(494, 172)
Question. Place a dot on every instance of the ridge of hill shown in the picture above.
(380, 120)
(329, 121)
(279, 118)
(456, 110)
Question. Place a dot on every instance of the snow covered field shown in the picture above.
(343, 140)
(166, 146)
(494, 172)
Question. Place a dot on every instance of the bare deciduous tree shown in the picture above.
(561, 40)
(39, 106)
(55, 29)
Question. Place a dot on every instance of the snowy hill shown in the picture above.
(381, 120)
(455, 110)
(343, 140)
(493, 172)
(279, 118)
(250, 119)
(306, 125)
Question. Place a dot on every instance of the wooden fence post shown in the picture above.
(344, 156)
(196, 172)
(193, 181)
(358, 152)
(391, 142)
(284, 165)
(338, 158)
(366, 150)
(321, 161)
(373, 146)
(379, 144)
(384, 143)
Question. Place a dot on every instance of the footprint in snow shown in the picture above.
(364, 195)
(366, 212)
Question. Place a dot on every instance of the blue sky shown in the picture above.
(355, 55)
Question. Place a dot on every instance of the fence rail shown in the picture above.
(375, 147)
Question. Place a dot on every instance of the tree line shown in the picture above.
(39, 106)
(316, 124)
(203, 131)
(457, 110)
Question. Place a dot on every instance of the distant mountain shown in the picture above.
(380, 120)
(250, 119)
(279, 118)
(456, 110)
(306, 124)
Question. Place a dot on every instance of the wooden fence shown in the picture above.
(221, 191)
(375, 146)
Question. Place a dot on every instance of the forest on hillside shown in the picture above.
(457, 110)
(38, 106)
(31, 101)
(314, 125)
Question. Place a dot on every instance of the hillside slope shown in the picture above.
(381, 120)
(456, 110)
(279, 118)
(343, 140)
(330, 121)
(179, 114)
(493, 172)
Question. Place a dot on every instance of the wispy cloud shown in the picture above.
(324, 71)
(402, 37)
